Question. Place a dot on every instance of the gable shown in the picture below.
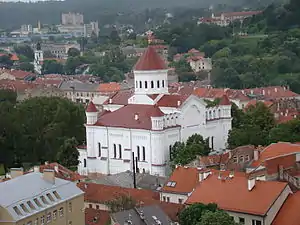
(141, 99)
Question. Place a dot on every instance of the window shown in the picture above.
(115, 151)
(163, 83)
(50, 197)
(54, 214)
(247, 158)
(90, 206)
(219, 113)
(164, 198)
(144, 153)
(29, 203)
(16, 209)
(24, 208)
(141, 85)
(97, 207)
(37, 202)
(44, 200)
(136, 84)
(234, 159)
(241, 220)
(61, 212)
(146, 84)
(70, 206)
(36, 222)
(138, 153)
(84, 163)
(241, 159)
(70, 222)
(99, 149)
(256, 222)
(48, 217)
(158, 84)
(168, 199)
(120, 151)
(180, 200)
(42, 220)
(152, 84)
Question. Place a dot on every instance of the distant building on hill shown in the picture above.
(72, 19)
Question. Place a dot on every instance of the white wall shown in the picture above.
(174, 198)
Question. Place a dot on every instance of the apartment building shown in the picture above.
(40, 199)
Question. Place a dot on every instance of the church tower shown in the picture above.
(150, 74)
(38, 59)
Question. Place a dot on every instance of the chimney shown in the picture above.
(275, 89)
(251, 92)
(263, 92)
(49, 175)
(56, 168)
(251, 183)
(206, 174)
(36, 169)
(256, 155)
(136, 116)
(178, 103)
(16, 172)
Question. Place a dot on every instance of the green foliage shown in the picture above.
(193, 213)
(26, 67)
(183, 153)
(216, 218)
(24, 50)
(40, 129)
(124, 202)
(73, 52)
(2, 169)
(5, 60)
(52, 66)
(288, 132)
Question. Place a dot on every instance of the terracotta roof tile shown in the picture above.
(289, 212)
(125, 117)
(99, 193)
(150, 60)
(96, 217)
(286, 161)
(91, 107)
(272, 92)
(185, 178)
(172, 100)
(275, 150)
(225, 100)
(232, 194)
(109, 87)
(120, 98)
(61, 172)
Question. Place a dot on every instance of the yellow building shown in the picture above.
(40, 199)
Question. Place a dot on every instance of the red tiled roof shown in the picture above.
(275, 150)
(150, 60)
(18, 74)
(120, 98)
(109, 87)
(186, 179)
(125, 117)
(172, 210)
(17, 85)
(232, 194)
(61, 172)
(272, 92)
(172, 100)
(91, 107)
(13, 57)
(99, 193)
(286, 161)
(289, 212)
(245, 13)
(96, 217)
(254, 102)
(225, 100)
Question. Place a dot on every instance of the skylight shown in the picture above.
(171, 184)
(36, 201)
(17, 210)
(24, 208)
(56, 195)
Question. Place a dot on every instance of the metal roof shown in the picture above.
(31, 189)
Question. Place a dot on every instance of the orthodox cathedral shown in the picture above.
(149, 123)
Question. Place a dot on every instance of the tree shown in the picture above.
(183, 153)
(193, 213)
(287, 132)
(5, 60)
(73, 52)
(216, 218)
(114, 37)
(52, 66)
(68, 153)
(122, 203)
(24, 50)
(26, 67)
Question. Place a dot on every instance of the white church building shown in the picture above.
(149, 123)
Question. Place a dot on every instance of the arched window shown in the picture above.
(138, 153)
(210, 115)
(144, 171)
(115, 151)
(99, 149)
(136, 84)
(163, 83)
(158, 84)
(206, 115)
(84, 163)
(146, 84)
(144, 153)
(152, 84)
(214, 114)
(141, 85)
(219, 113)
(120, 151)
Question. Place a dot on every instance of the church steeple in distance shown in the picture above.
(38, 46)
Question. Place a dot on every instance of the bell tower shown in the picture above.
(38, 59)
